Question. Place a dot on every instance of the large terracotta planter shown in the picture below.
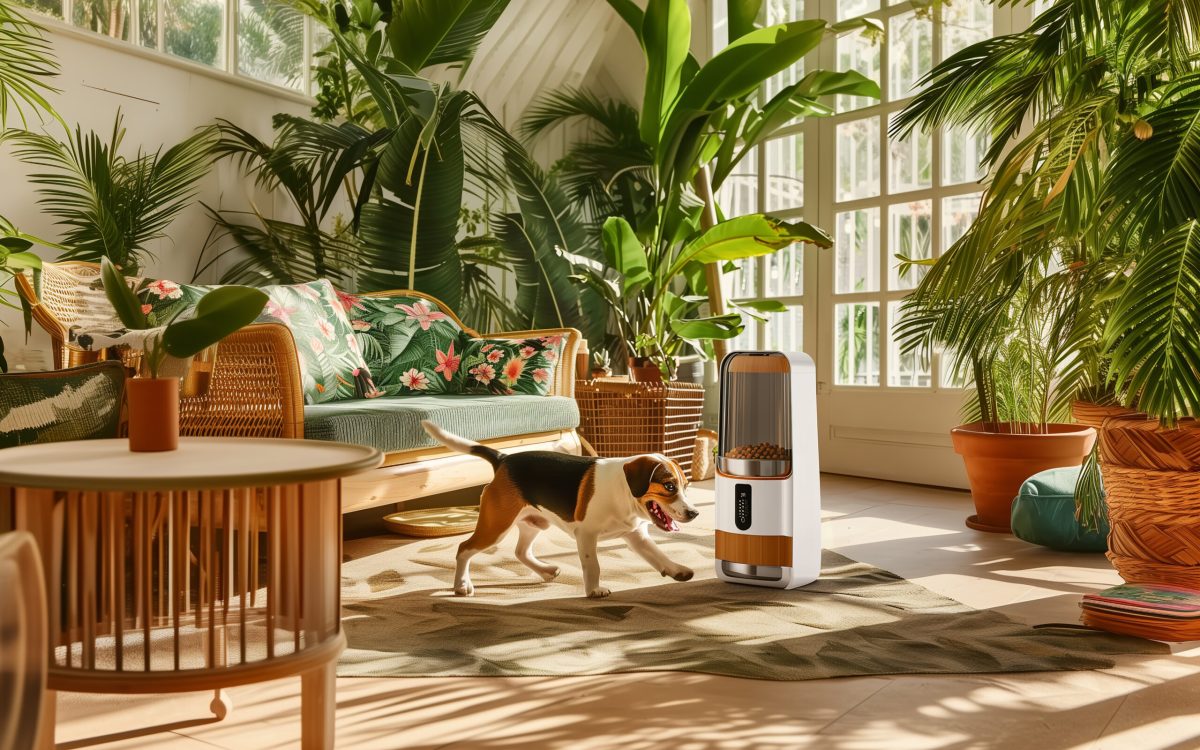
(999, 462)
(153, 414)
(642, 370)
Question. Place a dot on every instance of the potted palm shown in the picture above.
(1093, 199)
(167, 348)
(646, 177)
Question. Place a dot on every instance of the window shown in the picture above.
(273, 41)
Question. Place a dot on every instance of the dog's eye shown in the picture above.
(670, 486)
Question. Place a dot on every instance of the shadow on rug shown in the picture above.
(402, 620)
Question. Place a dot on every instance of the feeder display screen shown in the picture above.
(741, 506)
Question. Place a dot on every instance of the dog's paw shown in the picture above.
(681, 574)
(598, 593)
(549, 574)
(466, 588)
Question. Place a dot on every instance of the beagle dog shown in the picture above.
(592, 499)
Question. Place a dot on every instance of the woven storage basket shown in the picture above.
(1152, 479)
(625, 419)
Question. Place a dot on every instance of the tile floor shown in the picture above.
(1146, 703)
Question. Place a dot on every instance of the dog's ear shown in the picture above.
(639, 472)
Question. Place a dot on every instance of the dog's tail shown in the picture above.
(461, 444)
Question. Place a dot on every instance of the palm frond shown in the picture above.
(27, 67)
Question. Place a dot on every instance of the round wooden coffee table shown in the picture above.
(214, 565)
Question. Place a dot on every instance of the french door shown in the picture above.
(881, 413)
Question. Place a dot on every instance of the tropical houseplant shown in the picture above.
(26, 69)
(1093, 201)
(662, 238)
(167, 347)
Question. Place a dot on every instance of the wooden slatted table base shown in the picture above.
(178, 589)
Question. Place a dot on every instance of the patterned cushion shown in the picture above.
(331, 363)
(393, 423)
(81, 403)
(507, 366)
(412, 347)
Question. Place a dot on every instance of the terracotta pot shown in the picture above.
(999, 462)
(153, 414)
(601, 372)
(642, 370)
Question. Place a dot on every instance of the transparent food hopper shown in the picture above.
(755, 432)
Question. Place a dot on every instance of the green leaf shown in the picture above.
(764, 305)
(742, 16)
(21, 261)
(666, 39)
(719, 327)
(121, 297)
(218, 314)
(15, 244)
(429, 32)
(747, 237)
(625, 253)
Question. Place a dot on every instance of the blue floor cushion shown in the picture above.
(1044, 513)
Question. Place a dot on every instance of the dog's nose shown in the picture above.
(692, 513)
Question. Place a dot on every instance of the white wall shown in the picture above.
(162, 101)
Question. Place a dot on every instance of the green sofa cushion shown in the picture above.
(1044, 513)
(393, 423)
(81, 403)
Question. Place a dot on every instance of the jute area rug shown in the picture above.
(402, 619)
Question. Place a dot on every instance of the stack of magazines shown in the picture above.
(1160, 612)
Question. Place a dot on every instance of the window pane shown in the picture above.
(785, 330)
(910, 227)
(964, 22)
(193, 29)
(858, 159)
(950, 378)
(747, 340)
(785, 172)
(780, 11)
(910, 53)
(957, 214)
(49, 7)
(961, 154)
(740, 283)
(720, 26)
(857, 251)
(785, 272)
(857, 343)
(738, 195)
(910, 370)
(271, 42)
(148, 23)
(107, 17)
(852, 8)
(856, 51)
(910, 163)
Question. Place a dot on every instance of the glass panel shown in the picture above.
(321, 38)
(785, 172)
(193, 29)
(857, 51)
(909, 370)
(785, 330)
(747, 340)
(720, 26)
(964, 22)
(910, 227)
(778, 11)
(852, 8)
(857, 246)
(49, 7)
(755, 402)
(740, 283)
(148, 23)
(856, 333)
(107, 17)
(858, 159)
(910, 163)
(910, 53)
(785, 272)
(271, 42)
(957, 214)
(961, 154)
(738, 195)
(951, 379)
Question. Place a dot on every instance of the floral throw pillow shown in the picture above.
(507, 366)
(411, 346)
(332, 367)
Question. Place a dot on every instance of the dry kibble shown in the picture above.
(764, 451)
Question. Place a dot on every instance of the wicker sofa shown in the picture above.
(254, 390)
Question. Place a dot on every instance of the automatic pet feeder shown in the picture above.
(768, 478)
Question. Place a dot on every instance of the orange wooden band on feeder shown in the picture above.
(753, 549)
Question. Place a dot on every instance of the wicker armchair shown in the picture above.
(255, 389)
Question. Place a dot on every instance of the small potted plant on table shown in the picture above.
(167, 349)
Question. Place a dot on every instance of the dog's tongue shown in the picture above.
(671, 525)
